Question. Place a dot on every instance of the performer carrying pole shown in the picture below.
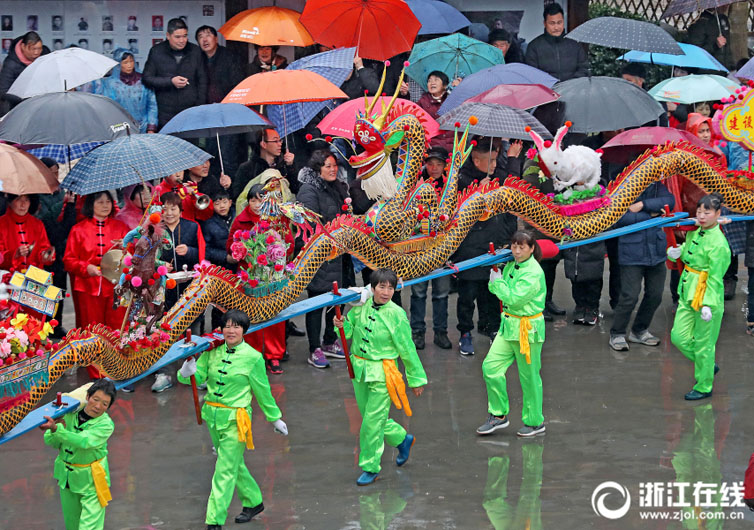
(380, 333)
(234, 372)
(706, 256)
(81, 466)
(522, 290)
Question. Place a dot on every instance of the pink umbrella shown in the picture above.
(341, 120)
(517, 96)
(626, 145)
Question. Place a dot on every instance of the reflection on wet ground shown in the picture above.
(610, 417)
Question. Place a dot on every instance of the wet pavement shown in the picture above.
(610, 417)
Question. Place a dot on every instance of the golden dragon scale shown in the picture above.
(386, 241)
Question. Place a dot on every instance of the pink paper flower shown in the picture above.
(253, 282)
(164, 337)
(264, 225)
(276, 253)
(270, 239)
(279, 267)
(531, 153)
(262, 259)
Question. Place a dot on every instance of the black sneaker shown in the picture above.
(248, 513)
(492, 424)
(527, 431)
(591, 317)
(578, 315)
(442, 341)
(418, 338)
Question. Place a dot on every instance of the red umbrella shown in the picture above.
(517, 96)
(341, 120)
(626, 145)
(380, 29)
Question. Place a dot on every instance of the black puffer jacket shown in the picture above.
(497, 230)
(325, 198)
(562, 58)
(586, 262)
(163, 64)
(12, 68)
(362, 79)
(215, 231)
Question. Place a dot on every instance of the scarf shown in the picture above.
(130, 79)
(20, 54)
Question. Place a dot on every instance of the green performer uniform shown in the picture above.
(706, 255)
(380, 334)
(81, 468)
(232, 375)
(522, 291)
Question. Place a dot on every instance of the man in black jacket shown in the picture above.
(176, 72)
(270, 156)
(224, 72)
(31, 47)
(472, 284)
(553, 53)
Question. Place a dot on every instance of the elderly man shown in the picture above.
(24, 50)
(175, 71)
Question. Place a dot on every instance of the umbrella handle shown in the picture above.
(220, 153)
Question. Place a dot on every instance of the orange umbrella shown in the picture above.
(380, 29)
(267, 26)
(23, 173)
(283, 86)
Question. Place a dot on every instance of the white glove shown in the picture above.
(674, 252)
(364, 292)
(280, 427)
(495, 274)
(189, 368)
(706, 314)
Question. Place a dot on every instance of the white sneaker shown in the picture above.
(161, 383)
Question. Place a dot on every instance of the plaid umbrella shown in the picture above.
(60, 152)
(497, 121)
(626, 34)
(502, 74)
(131, 160)
(333, 65)
(681, 7)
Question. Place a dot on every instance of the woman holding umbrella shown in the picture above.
(88, 242)
(23, 238)
(125, 87)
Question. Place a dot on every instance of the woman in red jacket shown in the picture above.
(87, 243)
(23, 239)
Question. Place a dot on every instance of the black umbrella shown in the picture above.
(66, 118)
(596, 104)
(494, 120)
(626, 34)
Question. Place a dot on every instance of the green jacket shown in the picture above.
(232, 379)
(705, 250)
(80, 444)
(522, 290)
(381, 333)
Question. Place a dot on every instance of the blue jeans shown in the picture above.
(440, 290)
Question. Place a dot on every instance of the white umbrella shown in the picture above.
(60, 71)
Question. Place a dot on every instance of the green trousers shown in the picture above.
(82, 511)
(696, 339)
(528, 510)
(501, 355)
(230, 474)
(376, 428)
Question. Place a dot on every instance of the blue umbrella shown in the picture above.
(61, 153)
(502, 74)
(215, 119)
(693, 57)
(333, 65)
(131, 160)
(747, 70)
(456, 55)
(437, 17)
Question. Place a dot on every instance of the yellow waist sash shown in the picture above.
(396, 388)
(100, 480)
(523, 334)
(243, 423)
(701, 288)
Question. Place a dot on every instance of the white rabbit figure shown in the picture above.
(576, 167)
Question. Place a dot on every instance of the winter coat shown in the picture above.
(326, 199)
(137, 99)
(12, 68)
(562, 58)
(585, 262)
(431, 106)
(255, 166)
(255, 66)
(216, 230)
(704, 33)
(224, 71)
(497, 230)
(362, 79)
(645, 247)
(164, 63)
(749, 255)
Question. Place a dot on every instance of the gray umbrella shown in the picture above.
(596, 104)
(65, 118)
(626, 34)
(497, 121)
(681, 7)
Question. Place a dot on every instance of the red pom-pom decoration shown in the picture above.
(155, 218)
(54, 322)
(344, 207)
(432, 233)
(740, 96)
(406, 127)
(457, 125)
(527, 128)
(309, 137)
(170, 283)
(328, 139)
(128, 277)
(548, 143)
(150, 281)
(473, 120)
(366, 92)
(568, 123)
(387, 63)
(473, 142)
(406, 64)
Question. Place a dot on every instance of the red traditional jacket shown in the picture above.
(87, 243)
(247, 220)
(18, 230)
(188, 209)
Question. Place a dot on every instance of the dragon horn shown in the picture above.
(538, 141)
(368, 107)
(561, 133)
(380, 121)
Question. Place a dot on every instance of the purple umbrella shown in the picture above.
(502, 74)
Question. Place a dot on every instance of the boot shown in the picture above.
(248, 513)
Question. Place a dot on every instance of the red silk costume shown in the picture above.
(17, 230)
